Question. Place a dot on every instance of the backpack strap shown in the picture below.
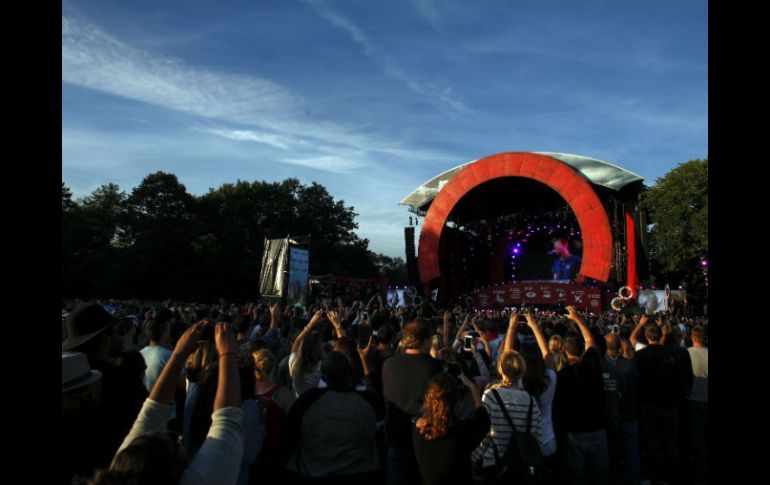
(495, 451)
(505, 411)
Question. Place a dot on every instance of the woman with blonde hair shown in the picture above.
(442, 443)
(264, 375)
(507, 399)
(556, 346)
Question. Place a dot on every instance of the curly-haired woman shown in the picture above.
(442, 443)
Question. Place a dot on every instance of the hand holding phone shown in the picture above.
(468, 343)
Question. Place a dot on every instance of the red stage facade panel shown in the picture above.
(565, 180)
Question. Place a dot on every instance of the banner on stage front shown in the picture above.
(299, 264)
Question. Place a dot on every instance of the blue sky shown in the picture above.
(371, 99)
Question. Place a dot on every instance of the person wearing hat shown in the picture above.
(80, 399)
(94, 332)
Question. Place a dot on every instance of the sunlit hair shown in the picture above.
(438, 407)
(264, 365)
(698, 334)
(556, 346)
(415, 334)
(201, 361)
(510, 367)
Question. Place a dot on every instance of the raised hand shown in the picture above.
(513, 320)
(316, 318)
(447, 317)
(275, 313)
(364, 352)
(224, 337)
(332, 316)
(572, 313)
(189, 339)
(530, 319)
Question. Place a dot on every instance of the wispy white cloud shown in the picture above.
(330, 163)
(270, 113)
(568, 45)
(92, 58)
(428, 10)
(278, 141)
(443, 97)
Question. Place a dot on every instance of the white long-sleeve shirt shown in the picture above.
(219, 459)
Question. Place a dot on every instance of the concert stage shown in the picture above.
(491, 223)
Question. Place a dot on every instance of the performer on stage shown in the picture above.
(567, 264)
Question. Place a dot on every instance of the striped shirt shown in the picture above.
(517, 404)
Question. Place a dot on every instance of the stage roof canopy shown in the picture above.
(595, 171)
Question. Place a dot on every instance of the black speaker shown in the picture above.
(411, 257)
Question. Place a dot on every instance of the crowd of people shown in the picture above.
(360, 392)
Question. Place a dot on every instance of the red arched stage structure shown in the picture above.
(468, 203)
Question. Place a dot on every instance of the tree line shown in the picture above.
(159, 241)
(677, 210)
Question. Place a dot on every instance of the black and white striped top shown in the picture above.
(517, 403)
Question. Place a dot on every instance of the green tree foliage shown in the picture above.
(158, 238)
(162, 242)
(394, 269)
(678, 212)
(66, 198)
(89, 228)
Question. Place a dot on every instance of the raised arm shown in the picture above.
(639, 326)
(456, 344)
(532, 322)
(336, 322)
(313, 321)
(229, 385)
(587, 336)
(275, 314)
(370, 303)
(166, 385)
(513, 322)
(483, 339)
